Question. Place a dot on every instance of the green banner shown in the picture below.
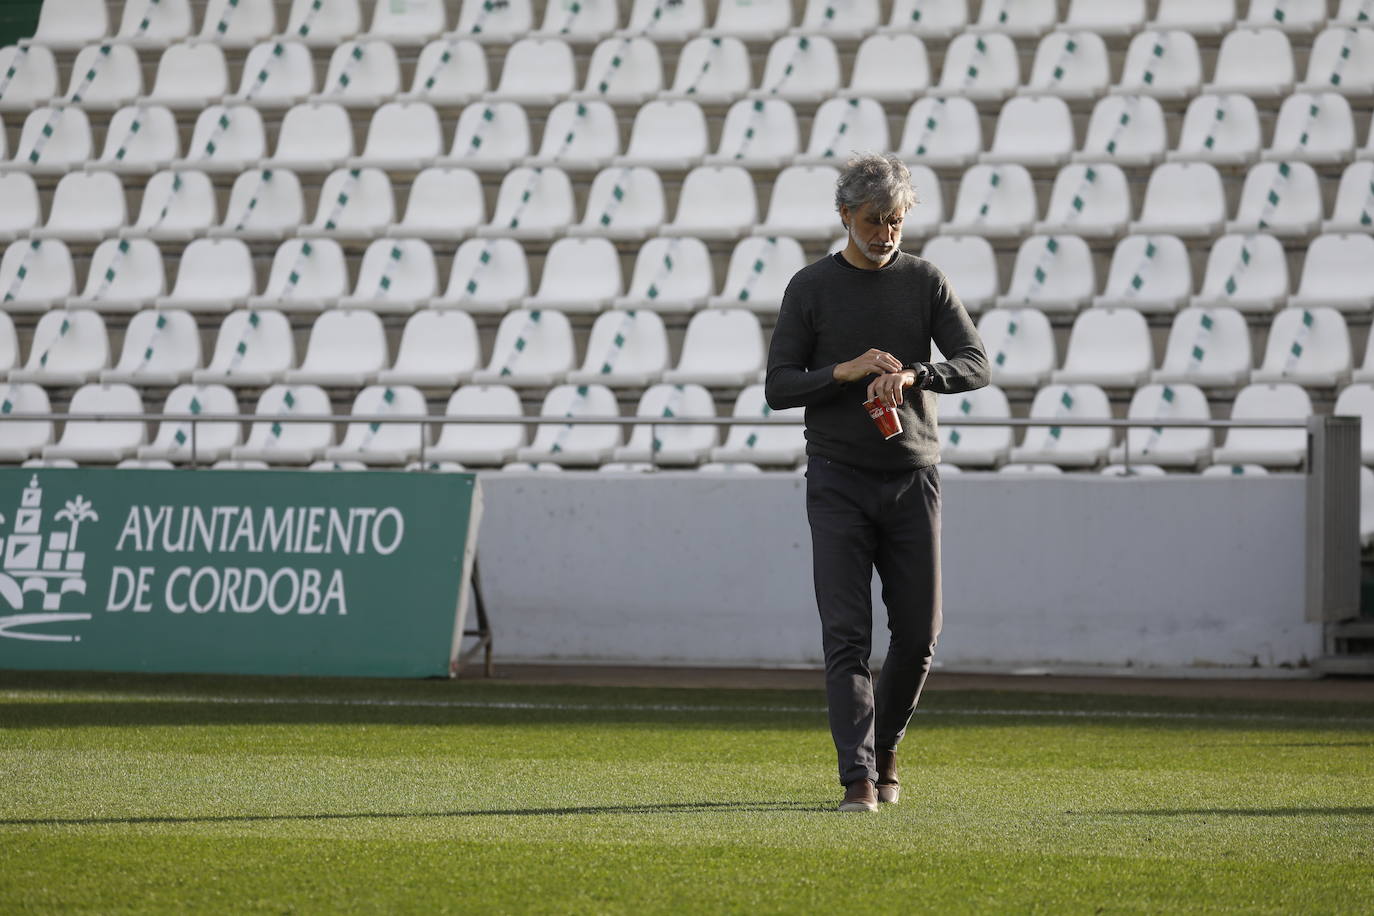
(244, 572)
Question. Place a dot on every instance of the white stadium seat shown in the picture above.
(802, 203)
(722, 348)
(68, 348)
(345, 345)
(142, 139)
(449, 71)
(756, 20)
(716, 202)
(439, 348)
(1257, 62)
(278, 442)
(1128, 130)
(1335, 273)
(1279, 197)
(226, 139)
(533, 349)
(670, 275)
(800, 68)
(982, 67)
(35, 76)
(579, 444)
(324, 24)
(1182, 198)
(624, 203)
(190, 75)
(1316, 127)
(1053, 273)
(671, 444)
(276, 74)
(1309, 346)
(667, 134)
(307, 275)
(1247, 272)
(407, 24)
(213, 275)
(480, 443)
(238, 24)
(1149, 273)
(843, 127)
(1034, 130)
(1221, 129)
(941, 132)
(889, 68)
(1358, 401)
(1200, 17)
(254, 348)
(54, 139)
(354, 204)
(929, 18)
(1299, 16)
(625, 350)
(1070, 65)
(487, 275)
(535, 71)
(361, 74)
(182, 440)
(971, 266)
(36, 275)
(25, 439)
(759, 270)
(661, 21)
(578, 136)
(1161, 63)
(86, 206)
(580, 275)
(19, 208)
(445, 203)
(104, 77)
(1342, 59)
(101, 441)
(995, 201)
(375, 442)
(624, 71)
(1175, 446)
(1120, 17)
(532, 203)
(582, 22)
(974, 446)
(1272, 448)
(712, 71)
(487, 21)
(1207, 347)
(770, 444)
(1067, 446)
(1091, 200)
(1109, 347)
(757, 134)
(66, 25)
(160, 348)
(397, 275)
(314, 137)
(125, 275)
(1025, 19)
(1020, 346)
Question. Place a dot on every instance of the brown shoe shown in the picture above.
(858, 796)
(889, 789)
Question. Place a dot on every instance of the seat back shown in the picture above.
(512, 18)
(344, 340)
(25, 437)
(389, 401)
(1034, 127)
(1089, 196)
(1220, 126)
(439, 340)
(746, 18)
(276, 71)
(788, 439)
(1183, 194)
(449, 69)
(532, 340)
(970, 264)
(534, 199)
(213, 270)
(1069, 444)
(492, 130)
(71, 23)
(580, 130)
(489, 271)
(407, 23)
(759, 128)
(1354, 204)
(536, 67)
(313, 132)
(106, 75)
(890, 64)
(1071, 63)
(36, 270)
(1200, 16)
(803, 199)
(228, 133)
(88, 201)
(404, 131)
(1150, 269)
(579, 20)
(668, 129)
(714, 197)
(624, 69)
(283, 401)
(652, 17)
(113, 435)
(1213, 340)
(324, 24)
(312, 269)
(672, 270)
(993, 196)
(1278, 401)
(802, 66)
(141, 134)
(54, 136)
(362, 69)
(1336, 268)
(1343, 59)
(178, 201)
(165, 340)
(1254, 61)
(627, 342)
(483, 401)
(34, 80)
(580, 269)
(760, 269)
(1126, 127)
(1281, 197)
(942, 128)
(722, 340)
(1314, 123)
(190, 72)
(238, 24)
(1246, 269)
(957, 441)
(1019, 343)
(1028, 17)
(843, 127)
(1169, 445)
(930, 17)
(577, 401)
(625, 199)
(357, 200)
(980, 63)
(212, 440)
(125, 269)
(1110, 341)
(447, 199)
(668, 400)
(398, 269)
(69, 341)
(716, 66)
(1308, 341)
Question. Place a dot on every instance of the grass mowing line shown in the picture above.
(1365, 722)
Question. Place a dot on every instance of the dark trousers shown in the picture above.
(863, 520)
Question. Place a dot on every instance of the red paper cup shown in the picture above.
(884, 417)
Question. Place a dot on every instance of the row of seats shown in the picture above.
(238, 23)
(802, 68)
(629, 349)
(673, 274)
(379, 435)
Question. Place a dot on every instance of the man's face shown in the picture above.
(875, 235)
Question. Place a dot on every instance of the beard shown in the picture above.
(877, 257)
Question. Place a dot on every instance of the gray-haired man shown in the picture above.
(856, 325)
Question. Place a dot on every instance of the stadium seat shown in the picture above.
(1220, 129)
(104, 77)
(1341, 59)
(449, 71)
(439, 349)
(354, 204)
(1186, 199)
(276, 74)
(974, 446)
(1053, 273)
(68, 348)
(1247, 272)
(1207, 347)
(847, 20)
(715, 202)
(402, 136)
(65, 25)
(24, 439)
(802, 203)
(580, 22)
(1335, 273)
(1034, 130)
(361, 74)
(375, 442)
(580, 275)
(533, 349)
(1353, 210)
(9, 344)
(1070, 65)
(1020, 346)
(324, 24)
(1315, 127)
(671, 444)
(625, 350)
(1023, 19)
(1283, 198)
(182, 440)
(1234, 471)
(1109, 347)
(345, 345)
(287, 443)
(86, 206)
(971, 266)
(980, 67)
(160, 348)
(263, 204)
(34, 81)
(722, 348)
(54, 139)
(670, 275)
(125, 275)
(445, 203)
(254, 348)
(995, 201)
(1257, 62)
(213, 275)
(190, 76)
(441, 467)
(140, 139)
(938, 19)
(942, 132)
(1118, 18)
(1066, 446)
(19, 209)
(36, 275)
(238, 23)
(487, 275)
(1272, 448)
(330, 465)
(232, 464)
(624, 203)
(1294, 16)
(579, 136)
(667, 134)
(480, 443)
(712, 71)
(101, 441)
(1366, 371)
(578, 444)
(532, 203)
(752, 20)
(226, 139)
(1175, 447)
(490, 22)
(307, 275)
(1093, 201)
(1309, 346)
(314, 137)
(536, 71)
(1358, 401)
(800, 69)
(666, 22)
(757, 134)
(396, 275)
(765, 444)
(1127, 130)
(407, 24)
(1161, 64)
(623, 71)
(759, 270)
(1149, 273)
(889, 68)
(1199, 17)
(1133, 470)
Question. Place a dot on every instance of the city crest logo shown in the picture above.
(48, 564)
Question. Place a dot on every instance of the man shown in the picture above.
(853, 326)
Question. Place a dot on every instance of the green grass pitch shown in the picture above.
(126, 793)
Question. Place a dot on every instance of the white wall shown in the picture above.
(707, 569)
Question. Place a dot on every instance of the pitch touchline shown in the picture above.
(664, 707)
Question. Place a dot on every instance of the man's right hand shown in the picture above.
(874, 362)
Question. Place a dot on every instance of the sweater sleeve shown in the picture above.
(791, 380)
(966, 363)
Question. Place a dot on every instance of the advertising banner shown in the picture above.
(243, 572)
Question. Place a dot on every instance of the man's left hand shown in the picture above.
(888, 387)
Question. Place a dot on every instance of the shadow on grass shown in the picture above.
(1240, 812)
(663, 808)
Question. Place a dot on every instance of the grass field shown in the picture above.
(142, 793)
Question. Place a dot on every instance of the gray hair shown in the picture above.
(883, 181)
